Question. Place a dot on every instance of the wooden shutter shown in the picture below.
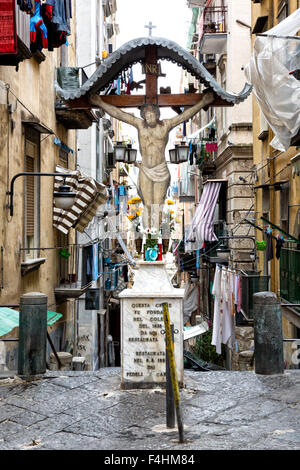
(29, 191)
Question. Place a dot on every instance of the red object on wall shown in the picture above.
(8, 29)
(160, 258)
(211, 146)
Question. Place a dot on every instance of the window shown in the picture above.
(283, 10)
(284, 206)
(31, 198)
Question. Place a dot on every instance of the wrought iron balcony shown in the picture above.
(213, 30)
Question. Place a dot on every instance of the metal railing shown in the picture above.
(252, 282)
(290, 274)
(214, 21)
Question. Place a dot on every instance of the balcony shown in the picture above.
(23, 40)
(73, 117)
(213, 30)
(75, 271)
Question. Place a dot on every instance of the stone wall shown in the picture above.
(242, 356)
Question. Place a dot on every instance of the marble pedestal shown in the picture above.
(143, 349)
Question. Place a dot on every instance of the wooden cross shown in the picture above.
(150, 26)
(151, 95)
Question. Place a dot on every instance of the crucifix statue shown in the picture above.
(153, 133)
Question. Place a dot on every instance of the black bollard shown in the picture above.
(169, 389)
(32, 334)
(268, 340)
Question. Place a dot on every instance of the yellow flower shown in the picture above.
(131, 217)
(136, 199)
(171, 212)
(169, 202)
(130, 201)
(138, 213)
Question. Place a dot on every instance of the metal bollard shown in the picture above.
(169, 388)
(268, 339)
(32, 334)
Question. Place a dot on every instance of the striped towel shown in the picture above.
(89, 195)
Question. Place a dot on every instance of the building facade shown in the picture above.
(277, 195)
(31, 138)
(223, 142)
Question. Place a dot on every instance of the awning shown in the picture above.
(9, 319)
(37, 125)
(202, 223)
(89, 196)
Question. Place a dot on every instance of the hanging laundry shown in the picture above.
(95, 261)
(279, 243)
(211, 146)
(191, 155)
(217, 317)
(57, 16)
(269, 249)
(239, 295)
(25, 5)
(223, 322)
(38, 30)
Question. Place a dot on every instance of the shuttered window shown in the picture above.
(31, 195)
(29, 191)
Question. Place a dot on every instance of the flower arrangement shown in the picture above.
(135, 211)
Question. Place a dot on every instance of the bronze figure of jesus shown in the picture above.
(153, 135)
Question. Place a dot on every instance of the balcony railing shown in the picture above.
(214, 20)
(290, 274)
(252, 282)
(213, 30)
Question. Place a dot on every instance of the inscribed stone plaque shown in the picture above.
(143, 350)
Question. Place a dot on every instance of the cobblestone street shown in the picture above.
(88, 411)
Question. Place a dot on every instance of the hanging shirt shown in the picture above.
(216, 291)
(223, 323)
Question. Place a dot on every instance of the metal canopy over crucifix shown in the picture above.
(149, 51)
(154, 175)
